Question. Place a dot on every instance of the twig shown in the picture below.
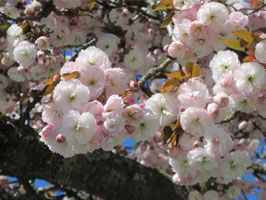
(258, 128)
(91, 42)
(47, 8)
(244, 195)
(230, 119)
(149, 74)
(253, 10)
(152, 72)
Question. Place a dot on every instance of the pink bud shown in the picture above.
(221, 99)
(56, 78)
(20, 68)
(130, 129)
(151, 31)
(165, 48)
(43, 43)
(60, 138)
(242, 125)
(157, 52)
(177, 50)
(142, 105)
(227, 81)
(133, 85)
(47, 130)
(130, 99)
(197, 143)
(116, 58)
(157, 137)
(213, 110)
(40, 54)
(176, 178)
(125, 11)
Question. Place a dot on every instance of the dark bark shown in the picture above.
(103, 174)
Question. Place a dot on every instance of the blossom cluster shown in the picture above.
(198, 27)
(87, 114)
(243, 83)
(203, 133)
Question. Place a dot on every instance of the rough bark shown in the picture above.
(104, 174)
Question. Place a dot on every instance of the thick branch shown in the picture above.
(104, 174)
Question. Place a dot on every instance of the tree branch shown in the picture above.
(152, 72)
(103, 174)
(75, 55)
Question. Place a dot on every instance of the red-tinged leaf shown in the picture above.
(50, 80)
(178, 75)
(170, 85)
(165, 4)
(167, 20)
(167, 133)
(244, 35)
(233, 44)
(50, 89)
(173, 139)
(243, 43)
(69, 76)
(193, 68)
(177, 123)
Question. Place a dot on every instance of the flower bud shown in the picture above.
(177, 50)
(43, 43)
(130, 99)
(242, 125)
(197, 144)
(60, 138)
(47, 130)
(130, 129)
(157, 137)
(157, 52)
(213, 110)
(133, 85)
(227, 81)
(221, 99)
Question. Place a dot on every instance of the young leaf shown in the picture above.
(167, 20)
(167, 132)
(72, 75)
(233, 44)
(169, 85)
(244, 35)
(178, 75)
(91, 4)
(50, 80)
(50, 88)
(193, 68)
(165, 4)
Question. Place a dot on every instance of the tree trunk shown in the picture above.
(103, 174)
